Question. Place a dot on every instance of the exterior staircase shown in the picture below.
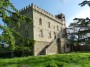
(52, 48)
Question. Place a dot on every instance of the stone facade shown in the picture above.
(46, 29)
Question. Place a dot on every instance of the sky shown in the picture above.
(70, 8)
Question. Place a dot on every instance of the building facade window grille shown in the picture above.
(40, 21)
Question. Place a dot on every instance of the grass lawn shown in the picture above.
(60, 60)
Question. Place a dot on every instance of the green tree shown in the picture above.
(12, 19)
(80, 29)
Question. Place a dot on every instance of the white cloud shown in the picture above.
(83, 13)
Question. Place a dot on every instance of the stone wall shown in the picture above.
(48, 48)
(52, 48)
(44, 27)
(40, 47)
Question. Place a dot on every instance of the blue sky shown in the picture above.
(70, 8)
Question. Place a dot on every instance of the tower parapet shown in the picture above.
(61, 16)
(42, 11)
(25, 9)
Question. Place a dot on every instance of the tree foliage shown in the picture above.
(85, 3)
(12, 19)
(80, 29)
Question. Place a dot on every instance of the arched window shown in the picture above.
(48, 24)
(40, 21)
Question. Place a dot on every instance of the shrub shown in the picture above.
(60, 64)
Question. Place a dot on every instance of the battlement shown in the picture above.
(42, 11)
(25, 9)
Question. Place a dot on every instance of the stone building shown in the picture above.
(48, 31)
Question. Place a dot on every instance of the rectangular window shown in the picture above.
(48, 24)
(57, 28)
(50, 35)
(41, 33)
(53, 27)
(40, 21)
(54, 35)
(61, 29)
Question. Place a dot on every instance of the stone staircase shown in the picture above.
(51, 48)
